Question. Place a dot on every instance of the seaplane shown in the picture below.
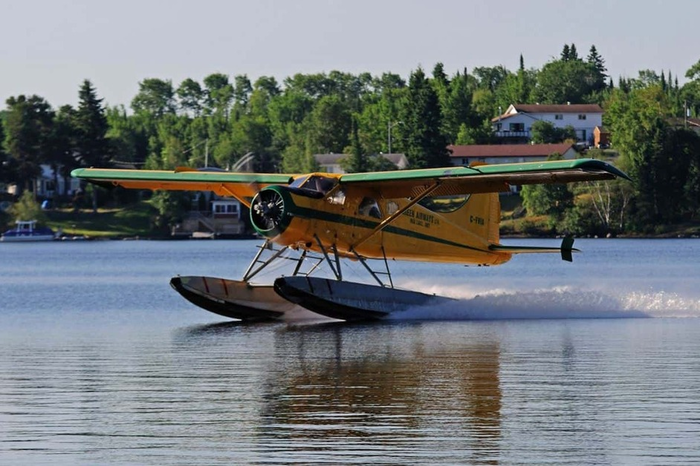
(448, 215)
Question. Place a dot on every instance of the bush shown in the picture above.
(26, 208)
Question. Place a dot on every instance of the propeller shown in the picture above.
(267, 210)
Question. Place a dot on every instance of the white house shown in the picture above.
(330, 163)
(46, 186)
(516, 122)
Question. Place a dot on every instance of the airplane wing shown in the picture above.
(482, 178)
(242, 186)
(390, 184)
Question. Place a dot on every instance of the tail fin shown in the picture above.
(481, 216)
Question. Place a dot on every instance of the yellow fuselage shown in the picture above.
(351, 222)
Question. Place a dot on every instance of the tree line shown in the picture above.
(221, 119)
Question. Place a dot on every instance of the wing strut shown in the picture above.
(335, 269)
(250, 273)
(374, 273)
(395, 215)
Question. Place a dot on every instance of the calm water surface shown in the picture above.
(539, 362)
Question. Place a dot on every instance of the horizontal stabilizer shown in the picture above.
(566, 249)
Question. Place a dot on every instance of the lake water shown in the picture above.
(539, 362)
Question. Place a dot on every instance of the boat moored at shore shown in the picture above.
(26, 230)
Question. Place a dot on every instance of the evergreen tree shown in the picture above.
(598, 63)
(358, 160)
(573, 53)
(425, 143)
(90, 124)
(457, 107)
(91, 146)
(565, 53)
(5, 165)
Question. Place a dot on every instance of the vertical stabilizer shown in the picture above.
(480, 215)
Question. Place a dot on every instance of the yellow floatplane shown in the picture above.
(449, 215)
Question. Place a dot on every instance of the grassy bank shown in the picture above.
(132, 220)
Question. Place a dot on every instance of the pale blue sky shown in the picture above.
(47, 47)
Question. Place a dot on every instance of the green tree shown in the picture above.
(5, 164)
(656, 155)
(548, 199)
(155, 96)
(92, 147)
(191, 97)
(331, 123)
(357, 162)
(61, 150)
(29, 125)
(457, 105)
(598, 64)
(425, 143)
(27, 208)
(544, 132)
(562, 81)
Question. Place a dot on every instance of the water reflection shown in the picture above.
(384, 387)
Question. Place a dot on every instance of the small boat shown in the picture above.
(26, 230)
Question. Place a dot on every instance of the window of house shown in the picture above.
(519, 127)
(226, 209)
(582, 117)
(559, 116)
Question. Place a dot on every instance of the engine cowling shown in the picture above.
(269, 211)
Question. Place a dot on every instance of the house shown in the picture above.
(515, 125)
(224, 219)
(508, 153)
(330, 163)
(48, 185)
(692, 124)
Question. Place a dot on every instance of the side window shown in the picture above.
(338, 197)
(369, 208)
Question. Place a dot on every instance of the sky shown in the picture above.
(48, 47)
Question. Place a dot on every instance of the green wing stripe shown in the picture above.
(496, 169)
(185, 176)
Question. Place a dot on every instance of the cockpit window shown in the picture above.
(298, 182)
(321, 184)
(370, 208)
(444, 204)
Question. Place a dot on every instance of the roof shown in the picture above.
(565, 108)
(509, 150)
(682, 121)
(331, 159)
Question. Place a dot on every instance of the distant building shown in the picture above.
(601, 137)
(48, 185)
(508, 153)
(515, 125)
(220, 217)
(330, 163)
(692, 124)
